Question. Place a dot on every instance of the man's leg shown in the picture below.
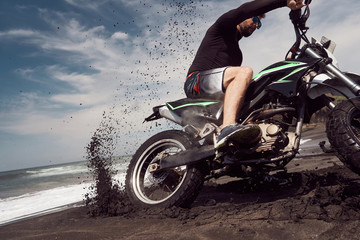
(236, 81)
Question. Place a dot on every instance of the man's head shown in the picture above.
(247, 27)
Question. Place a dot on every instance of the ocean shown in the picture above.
(36, 191)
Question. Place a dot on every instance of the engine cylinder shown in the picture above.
(272, 130)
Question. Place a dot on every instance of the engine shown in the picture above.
(275, 139)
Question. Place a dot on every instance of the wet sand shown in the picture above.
(321, 201)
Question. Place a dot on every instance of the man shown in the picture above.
(216, 69)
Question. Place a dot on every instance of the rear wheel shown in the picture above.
(343, 130)
(171, 187)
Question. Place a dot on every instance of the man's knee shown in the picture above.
(248, 74)
(243, 74)
(247, 71)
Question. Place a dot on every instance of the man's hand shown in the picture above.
(295, 4)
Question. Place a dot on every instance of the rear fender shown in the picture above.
(163, 112)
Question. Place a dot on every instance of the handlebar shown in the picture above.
(299, 18)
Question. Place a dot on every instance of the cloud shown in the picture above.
(110, 71)
(86, 4)
(18, 33)
(119, 36)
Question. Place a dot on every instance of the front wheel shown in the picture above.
(171, 187)
(343, 130)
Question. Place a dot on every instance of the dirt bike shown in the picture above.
(170, 168)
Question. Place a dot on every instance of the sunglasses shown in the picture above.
(257, 21)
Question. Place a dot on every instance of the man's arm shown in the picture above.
(247, 10)
(255, 8)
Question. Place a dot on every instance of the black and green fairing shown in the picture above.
(282, 77)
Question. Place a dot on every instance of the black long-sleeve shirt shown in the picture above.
(220, 47)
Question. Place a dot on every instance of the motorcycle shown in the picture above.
(170, 168)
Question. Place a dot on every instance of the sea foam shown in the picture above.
(46, 201)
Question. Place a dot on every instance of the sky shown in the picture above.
(70, 67)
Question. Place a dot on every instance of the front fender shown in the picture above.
(338, 87)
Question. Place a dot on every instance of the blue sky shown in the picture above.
(64, 63)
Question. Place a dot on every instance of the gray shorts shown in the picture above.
(204, 84)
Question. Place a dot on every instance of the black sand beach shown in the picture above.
(321, 201)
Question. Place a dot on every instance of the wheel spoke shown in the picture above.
(166, 187)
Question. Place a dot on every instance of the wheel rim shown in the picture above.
(155, 188)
